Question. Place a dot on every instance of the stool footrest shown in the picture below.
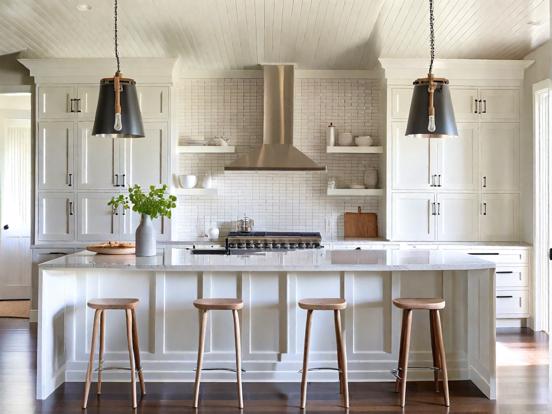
(221, 369)
(395, 371)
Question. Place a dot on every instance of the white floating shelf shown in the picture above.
(364, 192)
(195, 191)
(354, 150)
(206, 149)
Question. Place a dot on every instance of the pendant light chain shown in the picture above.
(116, 16)
(431, 37)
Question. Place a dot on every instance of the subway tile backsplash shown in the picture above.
(278, 201)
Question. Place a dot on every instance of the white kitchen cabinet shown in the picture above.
(55, 155)
(457, 159)
(411, 162)
(457, 217)
(97, 220)
(499, 156)
(98, 160)
(499, 104)
(413, 216)
(464, 102)
(154, 101)
(56, 217)
(54, 101)
(512, 303)
(499, 217)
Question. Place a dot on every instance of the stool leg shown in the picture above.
(238, 355)
(434, 352)
(136, 350)
(338, 346)
(202, 329)
(404, 364)
(442, 356)
(97, 315)
(342, 356)
(305, 360)
(401, 352)
(128, 313)
(102, 345)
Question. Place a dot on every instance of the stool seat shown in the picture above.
(218, 304)
(113, 303)
(323, 304)
(420, 303)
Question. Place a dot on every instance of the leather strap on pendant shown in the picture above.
(431, 90)
(117, 87)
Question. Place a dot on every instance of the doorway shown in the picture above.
(15, 200)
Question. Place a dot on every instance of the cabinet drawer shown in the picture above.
(512, 277)
(512, 303)
(514, 257)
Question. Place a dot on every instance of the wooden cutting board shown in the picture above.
(361, 225)
(113, 248)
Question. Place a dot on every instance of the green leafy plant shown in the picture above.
(157, 202)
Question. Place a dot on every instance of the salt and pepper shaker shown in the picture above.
(330, 135)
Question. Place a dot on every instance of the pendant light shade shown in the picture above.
(131, 118)
(445, 124)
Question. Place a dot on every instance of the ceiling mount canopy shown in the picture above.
(118, 112)
(431, 112)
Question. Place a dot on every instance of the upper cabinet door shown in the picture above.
(457, 217)
(400, 102)
(499, 217)
(154, 101)
(411, 160)
(414, 217)
(56, 101)
(458, 159)
(499, 156)
(55, 155)
(56, 217)
(145, 159)
(88, 101)
(464, 102)
(96, 220)
(96, 160)
(499, 104)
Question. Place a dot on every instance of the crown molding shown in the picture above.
(299, 74)
(91, 70)
(410, 69)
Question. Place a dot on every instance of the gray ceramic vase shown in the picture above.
(145, 238)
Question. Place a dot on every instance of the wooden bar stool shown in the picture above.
(433, 305)
(204, 306)
(129, 306)
(326, 304)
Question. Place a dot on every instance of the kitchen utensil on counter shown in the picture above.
(331, 183)
(371, 177)
(245, 224)
(113, 248)
(361, 225)
(364, 141)
(219, 141)
(187, 181)
(330, 135)
(345, 139)
(206, 181)
(213, 233)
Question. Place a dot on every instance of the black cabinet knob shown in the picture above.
(6, 227)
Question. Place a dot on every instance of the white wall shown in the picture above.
(541, 69)
(277, 201)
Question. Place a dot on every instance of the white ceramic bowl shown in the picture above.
(364, 141)
(187, 181)
(345, 139)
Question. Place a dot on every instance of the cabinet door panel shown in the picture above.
(499, 217)
(88, 100)
(413, 218)
(96, 220)
(463, 102)
(457, 217)
(411, 160)
(458, 159)
(145, 158)
(499, 156)
(55, 155)
(56, 217)
(55, 101)
(500, 104)
(96, 159)
(154, 101)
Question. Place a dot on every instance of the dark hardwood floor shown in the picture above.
(522, 386)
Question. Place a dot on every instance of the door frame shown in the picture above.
(542, 129)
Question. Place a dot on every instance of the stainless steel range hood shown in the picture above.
(277, 152)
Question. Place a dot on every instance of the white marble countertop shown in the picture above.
(177, 258)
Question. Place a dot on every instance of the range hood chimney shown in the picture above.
(277, 152)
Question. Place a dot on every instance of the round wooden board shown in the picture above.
(111, 250)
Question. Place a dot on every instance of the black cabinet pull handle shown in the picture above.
(78, 104)
(123, 180)
(484, 254)
(116, 180)
(70, 176)
(6, 227)
(475, 110)
(71, 208)
(484, 106)
(505, 272)
(504, 297)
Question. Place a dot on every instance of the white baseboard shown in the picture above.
(511, 323)
(33, 316)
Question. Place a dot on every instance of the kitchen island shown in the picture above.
(270, 285)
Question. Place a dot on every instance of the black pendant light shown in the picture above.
(431, 113)
(118, 112)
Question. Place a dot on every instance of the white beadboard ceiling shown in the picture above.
(233, 34)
